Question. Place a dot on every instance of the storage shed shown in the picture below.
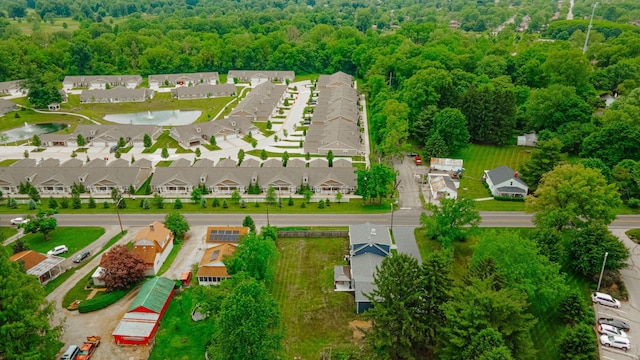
(140, 323)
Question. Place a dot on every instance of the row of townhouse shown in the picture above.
(99, 177)
(190, 79)
(336, 118)
(255, 77)
(181, 180)
(7, 106)
(14, 88)
(203, 91)
(104, 135)
(262, 102)
(53, 178)
(115, 95)
(201, 133)
(101, 81)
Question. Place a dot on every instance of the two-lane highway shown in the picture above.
(400, 218)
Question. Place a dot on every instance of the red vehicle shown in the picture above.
(88, 347)
(418, 160)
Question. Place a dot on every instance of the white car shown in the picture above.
(605, 329)
(58, 250)
(19, 221)
(605, 299)
(615, 341)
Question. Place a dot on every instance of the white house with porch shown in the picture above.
(504, 181)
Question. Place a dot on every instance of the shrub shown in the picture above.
(215, 202)
(290, 202)
(101, 302)
(177, 204)
(76, 203)
(224, 204)
(12, 203)
(92, 203)
(145, 204)
(321, 204)
(509, 198)
(53, 204)
(32, 204)
(64, 203)
(105, 205)
(203, 203)
(634, 203)
(303, 205)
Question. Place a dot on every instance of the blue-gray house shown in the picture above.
(369, 245)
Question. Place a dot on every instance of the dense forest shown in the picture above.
(437, 76)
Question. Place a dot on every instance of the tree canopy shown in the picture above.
(25, 315)
(121, 268)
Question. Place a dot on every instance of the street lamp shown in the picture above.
(118, 212)
(602, 271)
(392, 217)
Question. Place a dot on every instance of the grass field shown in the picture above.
(355, 206)
(478, 158)
(78, 291)
(549, 329)
(313, 315)
(10, 121)
(164, 140)
(178, 336)
(7, 232)
(75, 238)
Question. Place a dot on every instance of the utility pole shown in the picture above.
(586, 41)
(602, 271)
(118, 212)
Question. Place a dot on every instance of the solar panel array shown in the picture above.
(224, 235)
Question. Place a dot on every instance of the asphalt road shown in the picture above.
(400, 218)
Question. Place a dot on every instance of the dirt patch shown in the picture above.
(357, 326)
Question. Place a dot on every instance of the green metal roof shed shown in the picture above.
(154, 296)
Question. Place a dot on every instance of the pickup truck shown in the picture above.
(88, 347)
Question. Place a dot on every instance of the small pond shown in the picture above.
(163, 118)
(28, 130)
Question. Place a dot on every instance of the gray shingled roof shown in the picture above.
(504, 173)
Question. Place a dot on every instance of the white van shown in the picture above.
(71, 353)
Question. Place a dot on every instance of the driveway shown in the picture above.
(102, 323)
(629, 311)
(409, 187)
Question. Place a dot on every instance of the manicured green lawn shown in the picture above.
(314, 317)
(355, 206)
(75, 238)
(495, 205)
(172, 256)
(8, 162)
(478, 158)
(53, 284)
(9, 121)
(167, 141)
(178, 336)
(7, 232)
(161, 101)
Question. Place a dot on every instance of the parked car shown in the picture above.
(605, 329)
(19, 221)
(615, 341)
(615, 322)
(58, 250)
(412, 154)
(605, 299)
(83, 255)
(71, 353)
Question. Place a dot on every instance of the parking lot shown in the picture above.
(629, 311)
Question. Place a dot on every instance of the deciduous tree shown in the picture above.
(248, 324)
(579, 343)
(451, 221)
(255, 256)
(177, 223)
(43, 222)
(451, 124)
(570, 196)
(585, 249)
(522, 267)
(121, 268)
(25, 314)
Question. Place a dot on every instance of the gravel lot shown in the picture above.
(102, 323)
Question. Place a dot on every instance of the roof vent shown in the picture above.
(151, 227)
(373, 232)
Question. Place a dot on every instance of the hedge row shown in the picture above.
(101, 302)
(509, 198)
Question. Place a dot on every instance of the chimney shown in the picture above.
(151, 227)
